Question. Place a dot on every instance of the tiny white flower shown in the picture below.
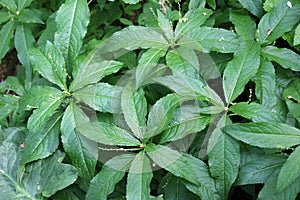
(289, 4)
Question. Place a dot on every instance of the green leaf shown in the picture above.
(131, 1)
(134, 107)
(24, 40)
(174, 188)
(192, 19)
(254, 6)
(37, 95)
(278, 21)
(9, 4)
(8, 104)
(265, 134)
(83, 153)
(148, 69)
(112, 172)
(40, 116)
(224, 161)
(269, 4)
(72, 20)
(6, 34)
(286, 58)
(191, 88)
(241, 69)
(254, 112)
(107, 134)
(139, 178)
(30, 16)
(93, 70)
(244, 25)
(184, 60)
(4, 17)
(10, 154)
(208, 39)
(42, 143)
(23, 4)
(48, 33)
(259, 169)
(297, 36)
(161, 114)
(184, 166)
(50, 64)
(135, 37)
(289, 171)
(265, 84)
(269, 191)
(186, 120)
(52, 175)
(292, 98)
(101, 96)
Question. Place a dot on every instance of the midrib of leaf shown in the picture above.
(280, 19)
(72, 23)
(185, 121)
(47, 132)
(238, 78)
(6, 38)
(80, 144)
(267, 168)
(121, 169)
(95, 95)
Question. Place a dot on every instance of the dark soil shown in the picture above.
(9, 64)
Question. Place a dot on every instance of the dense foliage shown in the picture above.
(151, 99)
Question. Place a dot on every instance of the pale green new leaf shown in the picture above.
(36, 96)
(254, 112)
(50, 64)
(259, 169)
(72, 20)
(6, 34)
(82, 152)
(139, 178)
(269, 190)
(101, 96)
(292, 98)
(265, 83)
(24, 40)
(269, 4)
(161, 114)
(209, 39)
(290, 171)
(135, 37)
(286, 58)
(297, 36)
(112, 172)
(244, 25)
(4, 17)
(278, 21)
(186, 120)
(41, 115)
(265, 134)
(166, 26)
(106, 133)
(224, 161)
(241, 69)
(47, 176)
(42, 143)
(92, 71)
(134, 107)
(185, 166)
(253, 6)
(192, 19)
(191, 88)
